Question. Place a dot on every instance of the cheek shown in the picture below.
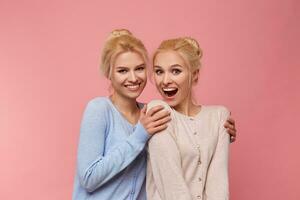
(143, 76)
(184, 81)
(157, 80)
(117, 79)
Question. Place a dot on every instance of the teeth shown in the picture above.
(169, 89)
(133, 87)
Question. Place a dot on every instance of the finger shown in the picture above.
(230, 120)
(231, 132)
(227, 125)
(158, 128)
(160, 114)
(155, 109)
(143, 112)
(232, 139)
(144, 109)
(161, 121)
(230, 126)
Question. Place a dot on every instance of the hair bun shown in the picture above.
(118, 32)
(195, 44)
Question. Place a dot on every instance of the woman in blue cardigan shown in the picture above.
(111, 162)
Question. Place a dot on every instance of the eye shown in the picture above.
(158, 71)
(140, 69)
(122, 71)
(176, 71)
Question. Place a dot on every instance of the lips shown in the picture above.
(170, 91)
(133, 87)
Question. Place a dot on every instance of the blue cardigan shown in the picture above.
(111, 163)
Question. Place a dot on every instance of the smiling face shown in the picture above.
(128, 76)
(173, 78)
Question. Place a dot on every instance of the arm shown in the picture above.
(217, 177)
(94, 169)
(166, 168)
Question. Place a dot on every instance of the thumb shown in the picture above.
(144, 109)
(143, 113)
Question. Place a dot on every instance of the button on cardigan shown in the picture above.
(111, 163)
(189, 160)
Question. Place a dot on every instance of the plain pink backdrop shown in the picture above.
(49, 57)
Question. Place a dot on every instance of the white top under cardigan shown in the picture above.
(189, 160)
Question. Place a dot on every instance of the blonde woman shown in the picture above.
(114, 130)
(111, 163)
(189, 159)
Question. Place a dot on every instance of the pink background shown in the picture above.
(49, 56)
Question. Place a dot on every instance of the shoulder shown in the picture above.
(170, 127)
(154, 103)
(98, 104)
(218, 111)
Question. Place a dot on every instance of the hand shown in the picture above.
(230, 126)
(155, 120)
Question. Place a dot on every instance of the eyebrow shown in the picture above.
(122, 67)
(174, 65)
(141, 65)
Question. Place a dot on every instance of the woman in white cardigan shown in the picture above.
(188, 160)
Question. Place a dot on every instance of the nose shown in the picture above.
(166, 79)
(132, 77)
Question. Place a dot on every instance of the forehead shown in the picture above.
(128, 59)
(168, 58)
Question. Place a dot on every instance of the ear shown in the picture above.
(195, 76)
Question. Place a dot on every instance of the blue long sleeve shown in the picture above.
(95, 167)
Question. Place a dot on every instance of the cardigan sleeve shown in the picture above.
(93, 167)
(217, 186)
(165, 162)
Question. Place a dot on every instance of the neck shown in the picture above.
(124, 105)
(187, 107)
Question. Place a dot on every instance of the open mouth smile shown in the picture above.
(170, 92)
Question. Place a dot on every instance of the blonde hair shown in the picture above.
(120, 41)
(186, 46)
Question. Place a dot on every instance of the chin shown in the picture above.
(171, 103)
(133, 95)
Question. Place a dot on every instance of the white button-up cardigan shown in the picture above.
(189, 160)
